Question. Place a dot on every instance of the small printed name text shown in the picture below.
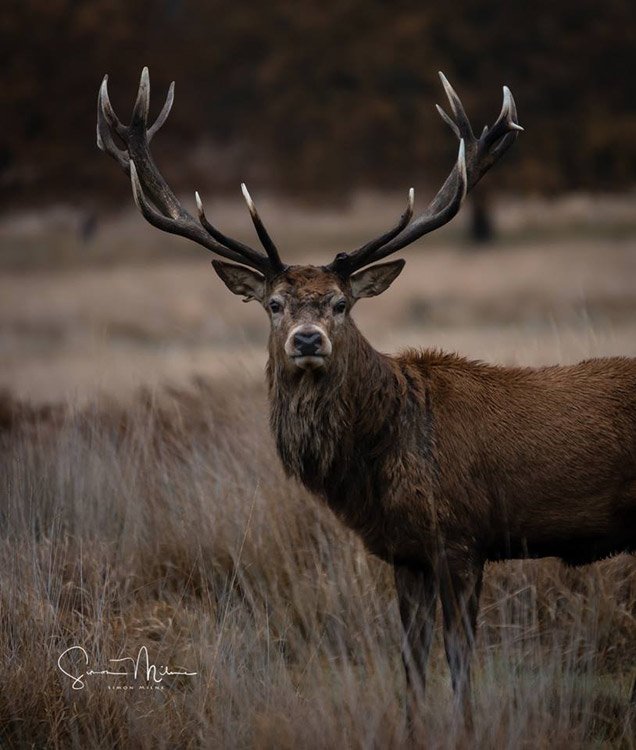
(139, 668)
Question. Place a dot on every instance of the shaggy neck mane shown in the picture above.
(328, 424)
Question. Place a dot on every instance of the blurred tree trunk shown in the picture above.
(481, 227)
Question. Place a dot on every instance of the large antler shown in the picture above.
(476, 156)
(153, 196)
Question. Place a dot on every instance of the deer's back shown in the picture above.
(539, 461)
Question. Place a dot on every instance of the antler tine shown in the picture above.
(429, 222)
(142, 103)
(266, 241)
(476, 156)
(233, 244)
(163, 115)
(448, 120)
(358, 258)
(506, 124)
(189, 229)
(108, 111)
(461, 119)
(106, 119)
(138, 145)
(153, 196)
(504, 132)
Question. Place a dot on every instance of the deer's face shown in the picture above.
(308, 307)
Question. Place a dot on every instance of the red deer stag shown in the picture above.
(438, 463)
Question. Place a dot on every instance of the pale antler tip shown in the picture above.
(509, 108)
(144, 80)
(461, 163)
(450, 91)
(452, 97)
(136, 188)
(248, 198)
(199, 203)
(142, 104)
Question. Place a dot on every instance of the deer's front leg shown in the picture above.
(460, 585)
(417, 596)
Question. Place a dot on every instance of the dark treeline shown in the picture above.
(310, 98)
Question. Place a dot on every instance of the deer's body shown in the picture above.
(429, 452)
(438, 463)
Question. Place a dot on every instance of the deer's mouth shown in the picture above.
(309, 362)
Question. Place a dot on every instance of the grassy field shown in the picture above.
(142, 504)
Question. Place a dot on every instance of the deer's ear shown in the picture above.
(376, 279)
(240, 280)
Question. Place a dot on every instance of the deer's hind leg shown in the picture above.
(460, 581)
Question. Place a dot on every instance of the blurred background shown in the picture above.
(327, 111)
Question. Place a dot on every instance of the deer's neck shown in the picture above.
(329, 424)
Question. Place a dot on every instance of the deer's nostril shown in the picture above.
(307, 344)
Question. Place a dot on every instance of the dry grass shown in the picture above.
(163, 519)
(170, 525)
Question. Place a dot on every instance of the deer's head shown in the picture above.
(308, 306)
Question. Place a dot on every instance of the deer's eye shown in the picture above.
(340, 306)
(275, 306)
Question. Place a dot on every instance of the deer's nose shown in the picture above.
(307, 343)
